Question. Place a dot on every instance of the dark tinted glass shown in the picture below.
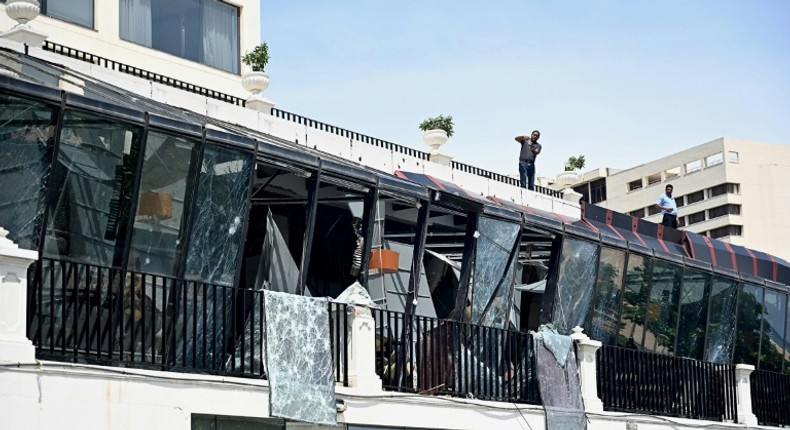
(773, 335)
(26, 131)
(750, 318)
(635, 297)
(693, 313)
(721, 322)
(662, 308)
(92, 181)
(608, 294)
(74, 11)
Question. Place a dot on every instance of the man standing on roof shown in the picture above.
(668, 207)
(530, 148)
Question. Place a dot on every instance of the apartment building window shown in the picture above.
(639, 213)
(652, 210)
(78, 12)
(724, 189)
(597, 191)
(696, 217)
(672, 173)
(681, 221)
(724, 210)
(695, 197)
(714, 159)
(635, 185)
(204, 31)
(680, 201)
(584, 190)
(727, 230)
(654, 178)
(732, 157)
(693, 166)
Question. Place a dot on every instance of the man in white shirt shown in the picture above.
(668, 207)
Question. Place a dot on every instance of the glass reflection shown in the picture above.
(693, 313)
(493, 276)
(773, 334)
(574, 284)
(220, 208)
(721, 322)
(608, 294)
(26, 129)
(662, 309)
(158, 226)
(93, 182)
(750, 317)
(635, 296)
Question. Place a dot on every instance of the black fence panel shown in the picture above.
(642, 382)
(770, 397)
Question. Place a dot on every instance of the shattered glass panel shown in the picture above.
(608, 294)
(221, 204)
(578, 263)
(662, 310)
(92, 182)
(773, 334)
(635, 296)
(559, 387)
(492, 285)
(750, 317)
(299, 358)
(721, 322)
(158, 226)
(693, 314)
(26, 130)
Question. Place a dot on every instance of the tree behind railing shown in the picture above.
(433, 356)
(770, 397)
(642, 382)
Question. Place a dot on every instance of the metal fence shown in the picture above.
(86, 313)
(432, 356)
(770, 397)
(642, 382)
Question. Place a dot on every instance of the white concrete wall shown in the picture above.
(63, 396)
(104, 41)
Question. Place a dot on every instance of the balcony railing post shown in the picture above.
(15, 347)
(588, 375)
(744, 394)
(361, 351)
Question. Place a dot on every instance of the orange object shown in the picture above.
(384, 260)
(156, 204)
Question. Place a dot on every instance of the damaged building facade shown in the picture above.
(176, 248)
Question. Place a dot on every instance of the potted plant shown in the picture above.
(570, 176)
(257, 59)
(436, 131)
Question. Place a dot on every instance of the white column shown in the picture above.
(588, 374)
(361, 350)
(743, 390)
(15, 347)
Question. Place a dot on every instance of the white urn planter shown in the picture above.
(256, 83)
(567, 178)
(435, 139)
(23, 11)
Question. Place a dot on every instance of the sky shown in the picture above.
(620, 82)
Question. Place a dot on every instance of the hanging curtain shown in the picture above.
(136, 21)
(220, 36)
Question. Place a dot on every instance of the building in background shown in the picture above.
(729, 189)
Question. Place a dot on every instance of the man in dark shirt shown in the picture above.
(530, 148)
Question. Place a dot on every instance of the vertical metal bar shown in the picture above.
(369, 225)
(314, 184)
(467, 265)
(204, 319)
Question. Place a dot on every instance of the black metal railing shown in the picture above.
(141, 73)
(642, 382)
(432, 356)
(86, 313)
(770, 397)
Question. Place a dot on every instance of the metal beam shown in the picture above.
(307, 242)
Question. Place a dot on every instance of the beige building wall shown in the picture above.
(104, 40)
(761, 170)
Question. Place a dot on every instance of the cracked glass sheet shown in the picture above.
(578, 264)
(721, 322)
(277, 271)
(608, 294)
(26, 129)
(299, 358)
(219, 213)
(493, 277)
(694, 297)
(559, 388)
(92, 183)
